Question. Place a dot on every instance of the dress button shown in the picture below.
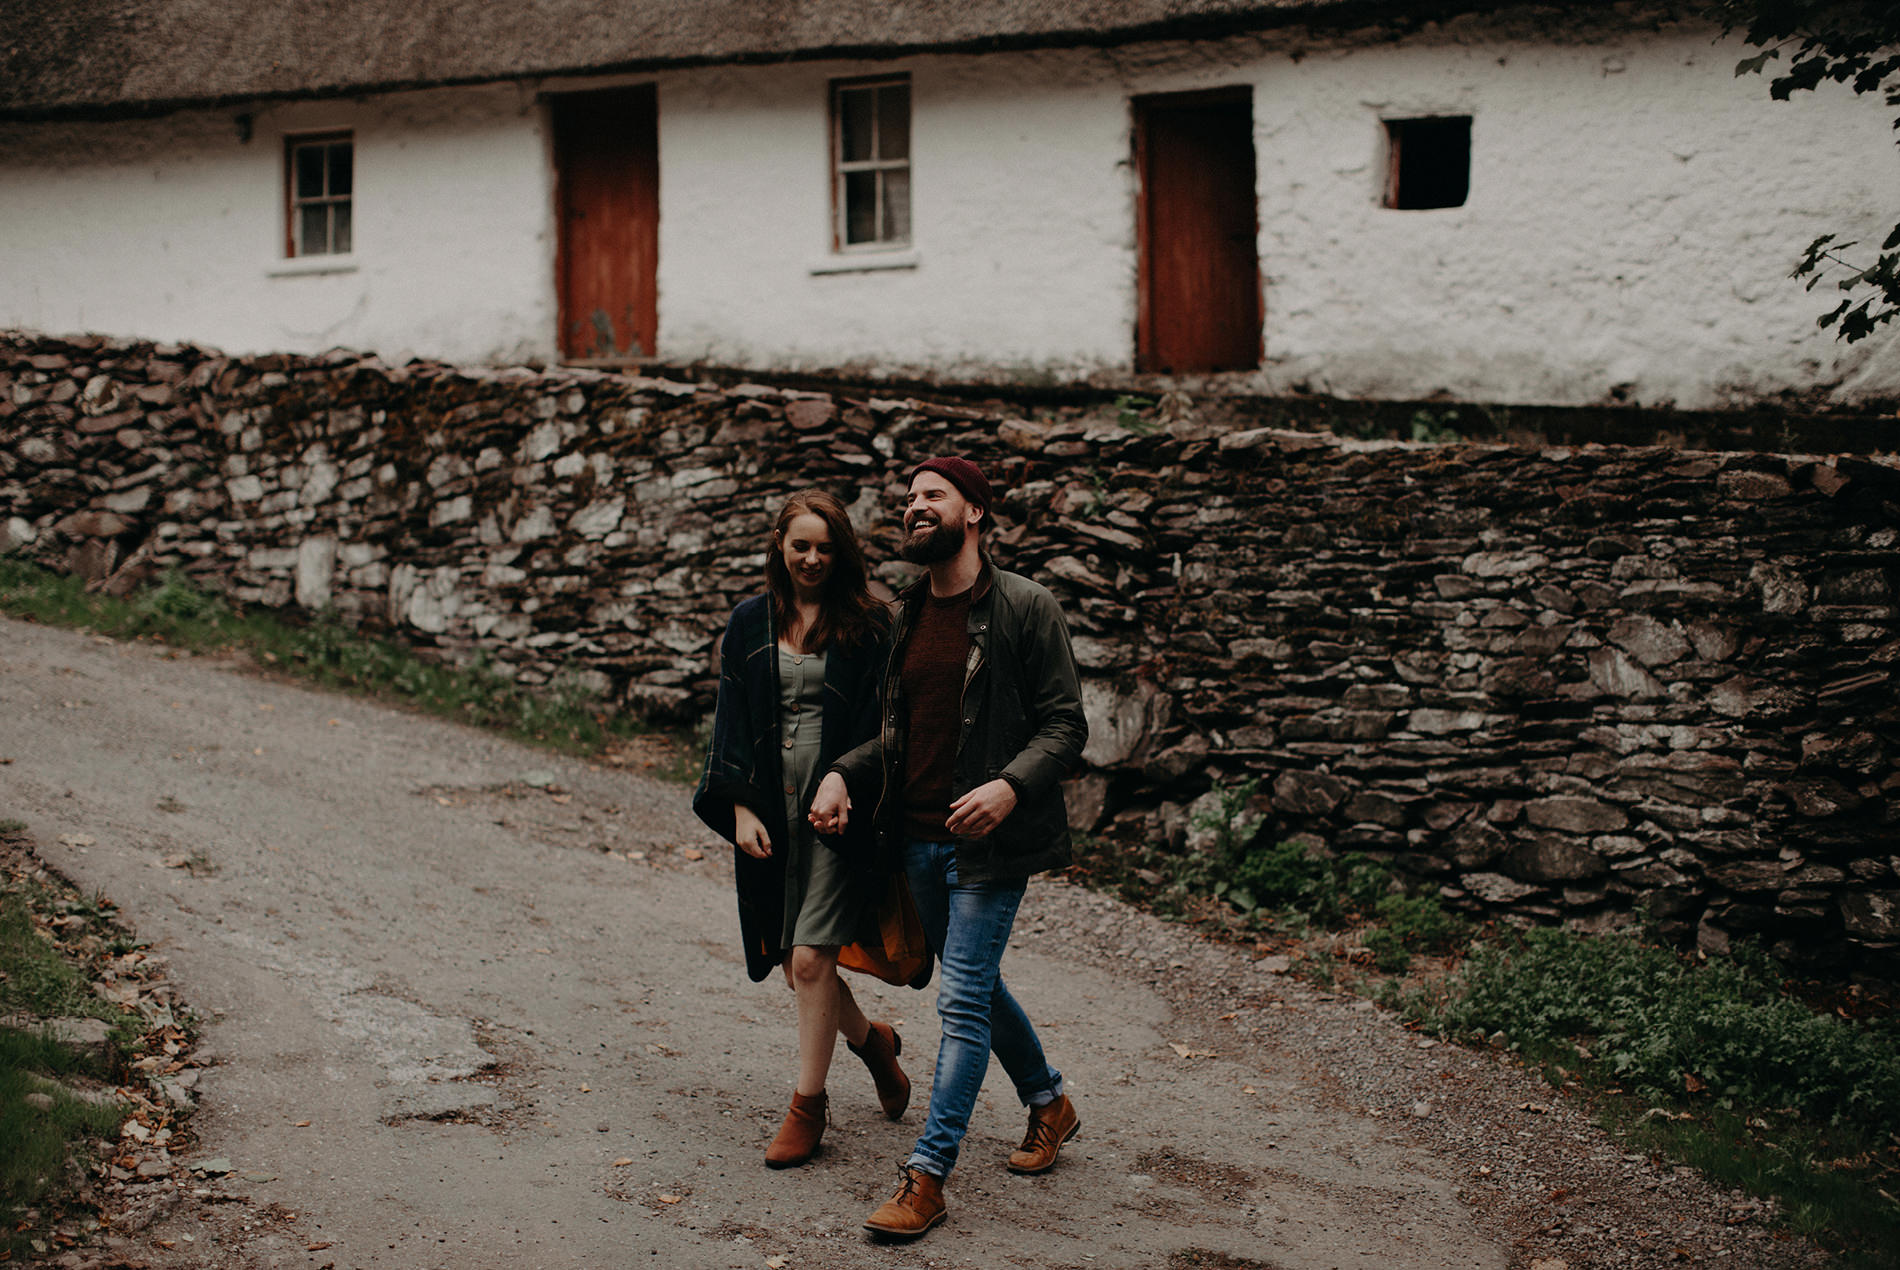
(790, 790)
(788, 745)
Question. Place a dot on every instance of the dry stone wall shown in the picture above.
(1581, 683)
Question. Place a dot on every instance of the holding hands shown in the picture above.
(831, 806)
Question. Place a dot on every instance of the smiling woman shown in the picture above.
(798, 677)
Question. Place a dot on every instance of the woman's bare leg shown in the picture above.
(814, 975)
(852, 1025)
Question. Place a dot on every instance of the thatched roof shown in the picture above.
(79, 58)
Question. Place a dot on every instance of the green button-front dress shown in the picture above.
(818, 907)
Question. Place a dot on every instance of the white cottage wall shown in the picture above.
(1019, 260)
(1634, 212)
(173, 229)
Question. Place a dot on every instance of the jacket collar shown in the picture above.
(915, 593)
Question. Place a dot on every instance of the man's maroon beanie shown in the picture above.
(965, 475)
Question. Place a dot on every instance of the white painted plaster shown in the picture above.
(1634, 212)
(173, 228)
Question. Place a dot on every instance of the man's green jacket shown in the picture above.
(1021, 719)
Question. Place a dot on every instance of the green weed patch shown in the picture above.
(44, 1127)
(1710, 1063)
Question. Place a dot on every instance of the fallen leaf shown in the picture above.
(1248, 1089)
(777, 1263)
(77, 840)
(693, 853)
(445, 802)
(587, 1089)
(671, 1199)
(336, 723)
(623, 1162)
(303, 1124)
(1693, 1083)
(258, 750)
(561, 798)
(318, 1247)
(1185, 1052)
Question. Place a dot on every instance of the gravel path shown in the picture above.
(471, 1005)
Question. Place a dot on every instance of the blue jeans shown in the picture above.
(969, 927)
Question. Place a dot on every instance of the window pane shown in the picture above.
(860, 207)
(340, 168)
(896, 206)
(855, 125)
(313, 237)
(309, 161)
(340, 226)
(893, 122)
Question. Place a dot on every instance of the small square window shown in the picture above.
(870, 148)
(318, 184)
(1428, 162)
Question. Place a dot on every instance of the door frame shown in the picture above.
(552, 102)
(1139, 106)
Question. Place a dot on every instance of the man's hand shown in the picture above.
(748, 833)
(978, 812)
(831, 806)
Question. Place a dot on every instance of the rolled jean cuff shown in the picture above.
(1044, 1096)
(928, 1164)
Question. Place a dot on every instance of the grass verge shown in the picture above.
(1716, 1063)
(50, 1135)
(324, 651)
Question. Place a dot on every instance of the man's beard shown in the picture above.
(940, 544)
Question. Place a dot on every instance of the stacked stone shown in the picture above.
(1577, 683)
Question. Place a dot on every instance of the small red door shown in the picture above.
(1199, 270)
(607, 199)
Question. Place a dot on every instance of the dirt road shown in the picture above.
(478, 1006)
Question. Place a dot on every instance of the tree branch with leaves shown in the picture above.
(1853, 42)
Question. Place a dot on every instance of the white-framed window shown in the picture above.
(319, 179)
(870, 162)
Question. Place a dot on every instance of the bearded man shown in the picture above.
(981, 718)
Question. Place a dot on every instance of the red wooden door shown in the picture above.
(1199, 280)
(607, 198)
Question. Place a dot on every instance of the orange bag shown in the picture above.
(890, 943)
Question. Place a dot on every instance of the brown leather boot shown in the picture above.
(881, 1047)
(1049, 1127)
(917, 1206)
(797, 1139)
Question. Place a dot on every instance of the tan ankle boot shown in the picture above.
(917, 1206)
(1049, 1127)
(881, 1047)
(797, 1139)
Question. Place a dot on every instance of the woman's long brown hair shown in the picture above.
(848, 613)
